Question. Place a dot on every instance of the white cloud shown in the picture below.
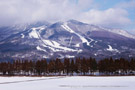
(22, 11)
(17, 11)
(111, 17)
(85, 4)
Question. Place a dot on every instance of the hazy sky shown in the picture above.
(108, 13)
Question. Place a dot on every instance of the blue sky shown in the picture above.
(105, 4)
(107, 13)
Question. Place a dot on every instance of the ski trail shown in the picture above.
(66, 27)
(70, 40)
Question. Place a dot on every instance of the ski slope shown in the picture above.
(66, 27)
(53, 45)
(68, 83)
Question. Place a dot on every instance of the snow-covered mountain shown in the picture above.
(64, 40)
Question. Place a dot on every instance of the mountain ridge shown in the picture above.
(68, 39)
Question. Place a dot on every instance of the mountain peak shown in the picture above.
(75, 22)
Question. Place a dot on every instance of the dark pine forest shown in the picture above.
(78, 66)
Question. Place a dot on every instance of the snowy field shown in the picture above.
(68, 83)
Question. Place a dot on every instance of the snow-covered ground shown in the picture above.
(68, 83)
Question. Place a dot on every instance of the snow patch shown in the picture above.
(33, 33)
(22, 35)
(55, 46)
(45, 57)
(77, 45)
(95, 54)
(111, 49)
(40, 49)
(79, 51)
(70, 56)
(91, 40)
(70, 40)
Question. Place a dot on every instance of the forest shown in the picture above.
(77, 66)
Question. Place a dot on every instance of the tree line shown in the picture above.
(78, 66)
